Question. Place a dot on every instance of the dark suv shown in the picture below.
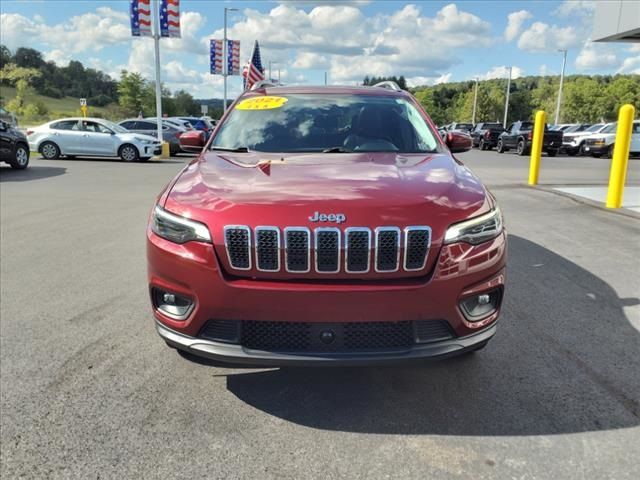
(14, 147)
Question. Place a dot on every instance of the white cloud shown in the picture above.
(542, 37)
(340, 38)
(514, 24)
(502, 72)
(59, 57)
(420, 81)
(544, 70)
(189, 42)
(76, 35)
(570, 8)
(630, 65)
(595, 57)
(634, 48)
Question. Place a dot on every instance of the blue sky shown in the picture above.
(427, 42)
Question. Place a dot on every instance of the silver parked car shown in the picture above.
(170, 132)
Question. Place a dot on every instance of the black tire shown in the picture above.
(521, 148)
(20, 157)
(571, 152)
(129, 153)
(70, 157)
(610, 151)
(50, 151)
(596, 155)
(500, 147)
(552, 152)
(482, 145)
(144, 159)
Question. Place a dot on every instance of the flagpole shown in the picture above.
(156, 41)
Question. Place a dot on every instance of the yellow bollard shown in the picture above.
(166, 152)
(536, 147)
(620, 157)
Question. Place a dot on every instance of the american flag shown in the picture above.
(215, 57)
(170, 18)
(253, 71)
(140, 18)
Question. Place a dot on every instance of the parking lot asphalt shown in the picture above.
(88, 390)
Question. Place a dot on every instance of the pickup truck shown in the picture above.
(519, 135)
(485, 135)
(603, 143)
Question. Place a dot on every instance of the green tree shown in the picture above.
(21, 78)
(185, 104)
(132, 92)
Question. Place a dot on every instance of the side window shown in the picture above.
(512, 128)
(65, 125)
(128, 125)
(102, 129)
(636, 128)
(145, 126)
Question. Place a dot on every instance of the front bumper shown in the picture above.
(238, 355)
(596, 149)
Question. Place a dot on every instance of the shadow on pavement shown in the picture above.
(8, 174)
(172, 160)
(565, 359)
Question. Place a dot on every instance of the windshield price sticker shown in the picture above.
(261, 103)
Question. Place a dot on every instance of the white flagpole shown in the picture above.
(156, 39)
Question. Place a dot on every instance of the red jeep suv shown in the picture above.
(326, 226)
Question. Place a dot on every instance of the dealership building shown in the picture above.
(617, 21)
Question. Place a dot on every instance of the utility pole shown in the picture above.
(225, 54)
(564, 63)
(325, 78)
(278, 76)
(270, 70)
(475, 101)
(506, 103)
(156, 41)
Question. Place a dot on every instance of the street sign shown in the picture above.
(204, 109)
(83, 102)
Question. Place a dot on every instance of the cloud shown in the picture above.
(570, 8)
(58, 57)
(74, 36)
(190, 41)
(595, 57)
(514, 24)
(542, 37)
(420, 81)
(630, 65)
(544, 70)
(342, 39)
(502, 72)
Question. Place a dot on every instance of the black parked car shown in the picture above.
(14, 146)
(485, 135)
(519, 135)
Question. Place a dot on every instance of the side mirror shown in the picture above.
(3, 126)
(459, 142)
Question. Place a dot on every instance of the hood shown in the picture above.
(137, 136)
(369, 189)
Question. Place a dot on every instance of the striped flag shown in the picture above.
(216, 57)
(140, 18)
(170, 18)
(253, 71)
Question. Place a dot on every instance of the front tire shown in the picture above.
(21, 158)
(610, 151)
(129, 153)
(520, 149)
(483, 146)
(50, 151)
(500, 147)
(552, 153)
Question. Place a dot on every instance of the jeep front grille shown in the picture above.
(354, 250)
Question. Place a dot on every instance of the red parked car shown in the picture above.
(326, 226)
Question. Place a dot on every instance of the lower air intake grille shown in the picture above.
(301, 337)
(238, 245)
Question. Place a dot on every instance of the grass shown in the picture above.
(58, 107)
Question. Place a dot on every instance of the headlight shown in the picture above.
(145, 141)
(178, 229)
(476, 230)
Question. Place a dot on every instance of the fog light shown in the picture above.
(171, 304)
(480, 306)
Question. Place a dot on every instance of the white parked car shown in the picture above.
(603, 143)
(573, 143)
(91, 137)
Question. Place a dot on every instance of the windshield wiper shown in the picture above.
(228, 149)
(337, 150)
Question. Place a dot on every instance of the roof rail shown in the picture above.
(390, 85)
(263, 84)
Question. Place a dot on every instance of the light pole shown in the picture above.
(564, 63)
(225, 54)
(156, 41)
(475, 101)
(506, 102)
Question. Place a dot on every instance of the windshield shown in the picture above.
(314, 123)
(574, 128)
(114, 126)
(594, 128)
(610, 128)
